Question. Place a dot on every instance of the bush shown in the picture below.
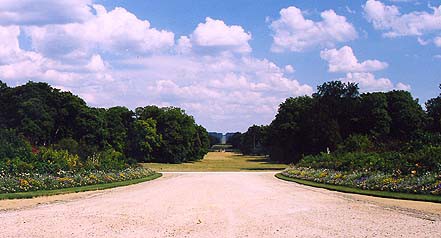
(53, 161)
(13, 146)
(427, 159)
(106, 160)
(356, 143)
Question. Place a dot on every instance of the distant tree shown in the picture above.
(144, 140)
(119, 121)
(177, 130)
(433, 107)
(253, 141)
(374, 119)
(214, 140)
(290, 133)
(235, 140)
(334, 113)
(407, 115)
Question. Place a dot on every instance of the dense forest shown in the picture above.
(39, 124)
(339, 121)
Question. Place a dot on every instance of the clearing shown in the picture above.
(221, 161)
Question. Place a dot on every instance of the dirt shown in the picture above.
(218, 204)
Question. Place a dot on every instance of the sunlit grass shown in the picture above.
(220, 161)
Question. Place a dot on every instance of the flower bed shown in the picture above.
(32, 182)
(425, 183)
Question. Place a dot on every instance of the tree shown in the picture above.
(253, 142)
(374, 119)
(213, 140)
(119, 120)
(178, 131)
(335, 106)
(433, 107)
(144, 140)
(235, 140)
(407, 116)
(289, 135)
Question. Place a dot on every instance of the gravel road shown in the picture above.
(239, 204)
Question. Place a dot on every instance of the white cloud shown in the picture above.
(369, 83)
(184, 45)
(289, 69)
(29, 12)
(117, 32)
(295, 33)
(96, 64)
(344, 60)
(389, 19)
(216, 34)
(437, 41)
(225, 90)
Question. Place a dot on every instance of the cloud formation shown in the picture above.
(369, 83)
(114, 58)
(43, 12)
(114, 32)
(216, 34)
(389, 19)
(293, 32)
(344, 60)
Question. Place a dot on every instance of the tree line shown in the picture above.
(339, 117)
(45, 117)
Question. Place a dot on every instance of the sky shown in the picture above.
(228, 63)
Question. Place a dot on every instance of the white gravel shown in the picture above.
(239, 204)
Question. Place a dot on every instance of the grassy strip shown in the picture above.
(383, 194)
(94, 187)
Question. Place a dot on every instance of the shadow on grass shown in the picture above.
(265, 161)
(264, 168)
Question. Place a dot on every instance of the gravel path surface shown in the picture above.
(240, 204)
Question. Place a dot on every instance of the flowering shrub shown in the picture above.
(422, 183)
(33, 181)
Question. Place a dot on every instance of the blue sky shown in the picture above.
(228, 63)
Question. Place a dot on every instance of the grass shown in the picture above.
(383, 194)
(102, 186)
(221, 162)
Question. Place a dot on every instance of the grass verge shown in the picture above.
(383, 194)
(94, 187)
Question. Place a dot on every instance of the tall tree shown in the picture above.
(433, 107)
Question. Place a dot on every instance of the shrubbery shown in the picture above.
(418, 182)
(427, 159)
(24, 182)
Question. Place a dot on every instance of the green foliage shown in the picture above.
(181, 139)
(144, 140)
(13, 146)
(408, 118)
(214, 140)
(356, 143)
(433, 107)
(235, 140)
(423, 183)
(424, 160)
(253, 142)
(53, 161)
(65, 126)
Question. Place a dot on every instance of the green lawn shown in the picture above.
(384, 194)
(220, 161)
(102, 186)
